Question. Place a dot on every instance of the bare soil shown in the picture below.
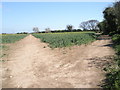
(32, 64)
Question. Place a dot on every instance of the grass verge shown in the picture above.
(113, 76)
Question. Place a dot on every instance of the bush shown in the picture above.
(116, 39)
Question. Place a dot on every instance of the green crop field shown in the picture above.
(11, 38)
(56, 40)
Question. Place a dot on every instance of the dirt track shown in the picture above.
(31, 64)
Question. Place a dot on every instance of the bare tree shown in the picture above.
(47, 30)
(89, 25)
(36, 29)
(92, 24)
(83, 25)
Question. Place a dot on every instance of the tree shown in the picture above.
(90, 25)
(47, 30)
(117, 12)
(110, 17)
(70, 27)
(83, 25)
(36, 29)
(111, 23)
(103, 26)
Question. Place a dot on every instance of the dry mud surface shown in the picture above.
(32, 64)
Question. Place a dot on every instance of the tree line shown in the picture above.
(90, 25)
(111, 23)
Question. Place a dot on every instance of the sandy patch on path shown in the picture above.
(34, 65)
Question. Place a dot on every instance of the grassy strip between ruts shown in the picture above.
(56, 40)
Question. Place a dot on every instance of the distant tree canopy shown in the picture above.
(47, 30)
(69, 27)
(89, 25)
(22, 33)
(117, 11)
(83, 25)
(36, 29)
(111, 22)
